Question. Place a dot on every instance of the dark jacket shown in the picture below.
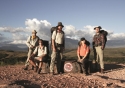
(98, 40)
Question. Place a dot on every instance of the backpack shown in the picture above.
(46, 43)
(105, 33)
(53, 29)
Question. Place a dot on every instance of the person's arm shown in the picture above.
(87, 51)
(103, 41)
(53, 40)
(28, 42)
(78, 53)
(34, 52)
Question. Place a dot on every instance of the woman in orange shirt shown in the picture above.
(83, 51)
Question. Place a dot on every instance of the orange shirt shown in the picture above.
(82, 50)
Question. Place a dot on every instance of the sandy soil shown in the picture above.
(16, 77)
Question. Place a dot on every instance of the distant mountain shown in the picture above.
(115, 43)
(14, 47)
(70, 44)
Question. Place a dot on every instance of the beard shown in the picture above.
(33, 36)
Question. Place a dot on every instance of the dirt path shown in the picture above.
(15, 77)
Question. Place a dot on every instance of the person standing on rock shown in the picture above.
(83, 52)
(99, 45)
(58, 45)
(31, 42)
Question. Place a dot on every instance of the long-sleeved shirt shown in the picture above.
(32, 42)
(98, 40)
(82, 50)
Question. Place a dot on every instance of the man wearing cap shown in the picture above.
(31, 42)
(99, 45)
(58, 45)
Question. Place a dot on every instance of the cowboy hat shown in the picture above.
(98, 27)
(60, 24)
(34, 31)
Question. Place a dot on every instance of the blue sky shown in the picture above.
(78, 14)
(107, 13)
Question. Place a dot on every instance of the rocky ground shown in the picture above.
(15, 77)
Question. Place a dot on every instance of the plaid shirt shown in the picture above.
(98, 40)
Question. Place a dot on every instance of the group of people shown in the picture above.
(83, 51)
(37, 52)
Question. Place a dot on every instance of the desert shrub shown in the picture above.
(3, 55)
(13, 61)
(9, 50)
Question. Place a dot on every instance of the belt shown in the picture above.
(59, 45)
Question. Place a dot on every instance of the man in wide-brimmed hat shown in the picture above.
(31, 42)
(58, 45)
(98, 46)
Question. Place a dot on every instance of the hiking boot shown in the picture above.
(32, 68)
(86, 74)
(39, 70)
(26, 68)
(36, 68)
(102, 71)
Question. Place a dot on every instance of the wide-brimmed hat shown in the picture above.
(60, 24)
(98, 27)
(34, 31)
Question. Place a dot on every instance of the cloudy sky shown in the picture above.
(19, 17)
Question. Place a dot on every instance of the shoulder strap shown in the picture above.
(43, 47)
(30, 37)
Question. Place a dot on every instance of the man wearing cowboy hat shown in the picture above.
(31, 42)
(58, 45)
(99, 45)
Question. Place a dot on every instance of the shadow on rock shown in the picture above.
(25, 84)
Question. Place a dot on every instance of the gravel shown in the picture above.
(16, 77)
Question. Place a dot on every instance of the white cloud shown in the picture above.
(19, 38)
(20, 34)
(116, 36)
(42, 27)
(12, 30)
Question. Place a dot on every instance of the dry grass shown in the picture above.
(12, 57)
(111, 55)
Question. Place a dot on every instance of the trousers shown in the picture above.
(100, 56)
(58, 55)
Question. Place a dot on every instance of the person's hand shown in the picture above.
(78, 60)
(40, 58)
(102, 48)
(82, 60)
(31, 46)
